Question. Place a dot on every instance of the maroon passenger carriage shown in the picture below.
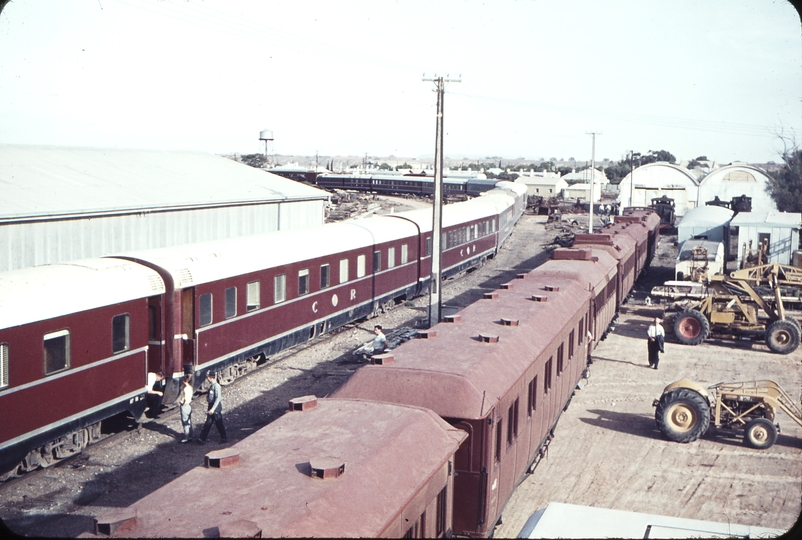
(73, 351)
(218, 306)
(329, 468)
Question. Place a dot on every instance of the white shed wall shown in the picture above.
(782, 242)
(25, 244)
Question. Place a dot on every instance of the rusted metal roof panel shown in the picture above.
(456, 373)
(375, 456)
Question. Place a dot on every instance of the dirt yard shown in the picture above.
(608, 453)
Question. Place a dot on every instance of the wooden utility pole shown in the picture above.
(435, 295)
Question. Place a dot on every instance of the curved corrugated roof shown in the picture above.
(706, 215)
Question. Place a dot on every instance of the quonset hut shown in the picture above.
(63, 203)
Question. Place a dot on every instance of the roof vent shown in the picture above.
(304, 403)
(486, 338)
(571, 254)
(220, 459)
(426, 334)
(384, 359)
(327, 467)
(551, 288)
(453, 318)
(539, 298)
(242, 528)
(522, 276)
(507, 286)
(491, 295)
(510, 322)
(123, 519)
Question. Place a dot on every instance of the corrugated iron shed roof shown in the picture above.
(41, 181)
(768, 217)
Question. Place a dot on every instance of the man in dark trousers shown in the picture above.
(214, 414)
(656, 336)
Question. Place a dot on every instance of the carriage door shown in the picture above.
(155, 335)
(188, 329)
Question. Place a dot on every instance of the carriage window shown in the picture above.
(360, 266)
(343, 270)
(441, 511)
(570, 345)
(580, 331)
(120, 333)
(499, 431)
(231, 302)
(303, 282)
(404, 254)
(205, 309)
(57, 351)
(560, 355)
(3, 365)
(279, 288)
(547, 377)
(532, 395)
(390, 257)
(153, 323)
(377, 261)
(254, 296)
(325, 280)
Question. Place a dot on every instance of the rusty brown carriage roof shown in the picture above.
(459, 375)
(389, 453)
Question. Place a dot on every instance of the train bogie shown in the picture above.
(327, 468)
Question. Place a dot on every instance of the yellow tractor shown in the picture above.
(730, 306)
(687, 409)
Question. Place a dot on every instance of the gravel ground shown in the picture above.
(62, 500)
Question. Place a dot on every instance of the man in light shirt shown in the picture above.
(656, 336)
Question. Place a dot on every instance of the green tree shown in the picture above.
(616, 173)
(385, 167)
(254, 160)
(564, 170)
(785, 185)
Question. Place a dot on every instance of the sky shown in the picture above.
(719, 78)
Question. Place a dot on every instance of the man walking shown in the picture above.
(656, 336)
(214, 414)
(185, 402)
(380, 341)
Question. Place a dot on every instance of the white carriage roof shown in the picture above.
(48, 181)
(485, 206)
(39, 293)
(203, 262)
(770, 218)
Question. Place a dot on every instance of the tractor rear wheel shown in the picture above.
(760, 433)
(691, 327)
(683, 415)
(782, 337)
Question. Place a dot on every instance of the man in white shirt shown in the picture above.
(656, 336)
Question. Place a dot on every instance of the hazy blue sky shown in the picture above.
(713, 77)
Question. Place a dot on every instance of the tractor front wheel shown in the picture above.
(782, 337)
(760, 433)
(683, 415)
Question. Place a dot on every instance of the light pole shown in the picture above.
(592, 176)
(632, 155)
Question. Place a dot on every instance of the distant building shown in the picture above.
(706, 223)
(543, 184)
(61, 203)
(779, 229)
(734, 180)
(654, 180)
